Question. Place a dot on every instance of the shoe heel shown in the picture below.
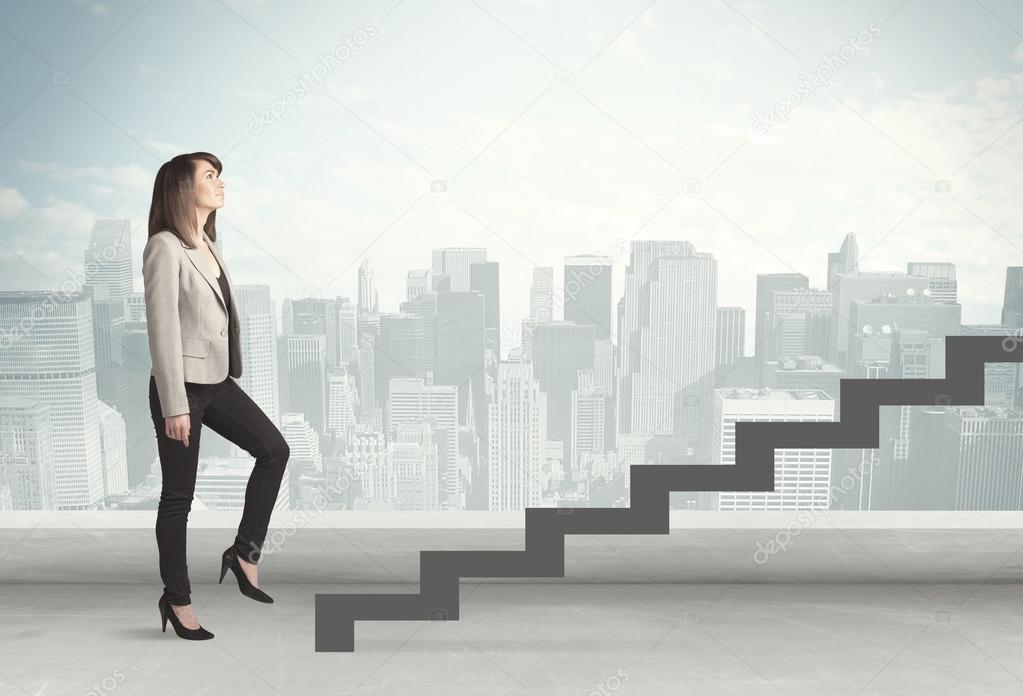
(167, 614)
(230, 560)
(224, 565)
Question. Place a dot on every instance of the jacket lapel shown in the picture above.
(223, 266)
(192, 255)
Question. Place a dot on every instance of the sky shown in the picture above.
(761, 132)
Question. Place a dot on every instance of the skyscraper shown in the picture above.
(53, 364)
(518, 438)
(459, 341)
(367, 300)
(587, 291)
(107, 260)
(845, 260)
(672, 346)
(455, 262)
(941, 279)
(864, 286)
(1012, 304)
(632, 313)
(558, 350)
(729, 333)
(485, 278)
(26, 454)
(541, 294)
(414, 400)
(259, 348)
(304, 378)
(767, 285)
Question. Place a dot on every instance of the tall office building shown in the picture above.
(107, 260)
(455, 262)
(414, 455)
(559, 349)
(518, 438)
(863, 286)
(764, 323)
(485, 278)
(413, 400)
(802, 477)
(541, 294)
(135, 308)
(348, 330)
(52, 362)
(259, 348)
(729, 335)
(367, 299)
(400, 350)
(322, 316)
(631, 311)
(990, 454)
(845, 261)
(418, 281)
(798, 323)
(672, 346)
(604, 376)
(342, 402)
(588, 419)
(941, 279)
(305, 460)
(1012, 304)
(587, 291)
(303, 443)
(964, 458)
(459, 339)
(366, 455)
(113, 441)
(26, 454)
(107, 265)
(303, 375)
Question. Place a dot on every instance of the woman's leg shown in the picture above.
(178, 465)
(233, 414)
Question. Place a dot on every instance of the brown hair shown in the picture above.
(173, 206)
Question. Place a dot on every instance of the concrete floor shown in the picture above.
(853, 611)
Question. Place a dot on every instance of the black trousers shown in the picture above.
(229, 411)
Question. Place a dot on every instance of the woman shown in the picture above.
(193, 326)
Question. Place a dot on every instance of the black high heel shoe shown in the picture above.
(230, 560)
(166, 612)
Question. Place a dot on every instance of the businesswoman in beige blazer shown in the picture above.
(194, 328)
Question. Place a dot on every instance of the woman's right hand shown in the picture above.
(178, 427)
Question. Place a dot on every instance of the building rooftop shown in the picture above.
(774, 394)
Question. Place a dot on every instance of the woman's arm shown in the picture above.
(160, 276)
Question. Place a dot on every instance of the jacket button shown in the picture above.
(223, 332)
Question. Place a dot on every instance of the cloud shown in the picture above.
(50, 241)
(12, 203)
(95, 8)
(1017, 55)
(106, 180)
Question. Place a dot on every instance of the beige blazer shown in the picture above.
(188, 323)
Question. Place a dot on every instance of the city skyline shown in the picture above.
(420, 405)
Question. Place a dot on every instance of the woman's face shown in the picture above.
(209, 188)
